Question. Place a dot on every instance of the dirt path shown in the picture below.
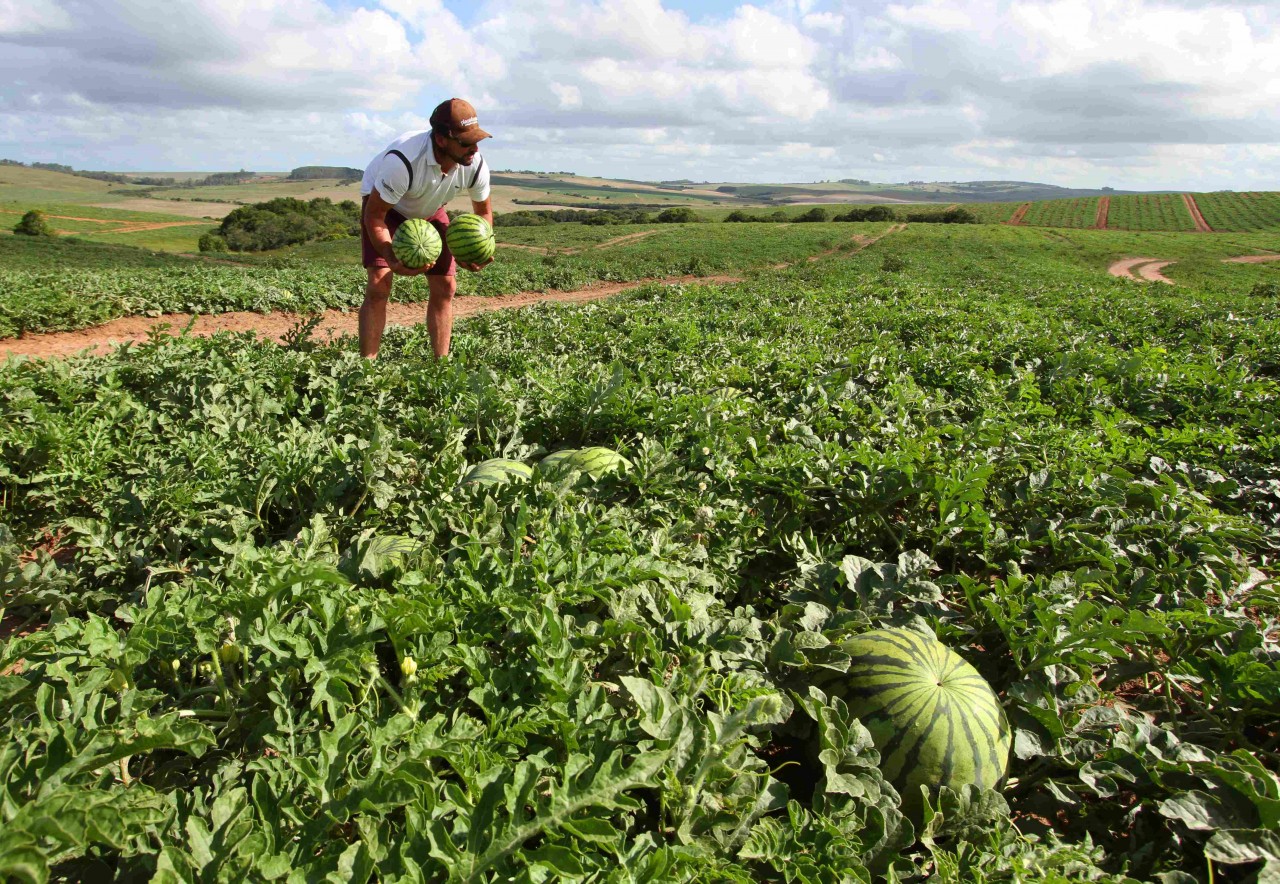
(1104, 209)
(1251, 259)
(618, 240)
(273, 326)
(1016, 220)
(860, 240)
(1201, 225)
(1151, 272)
(125, 226)
(1124, 269)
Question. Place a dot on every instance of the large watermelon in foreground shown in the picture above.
(416, 243)
(471, 239)
(934, 719)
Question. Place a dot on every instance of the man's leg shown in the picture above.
(440, 312)
(373, 312)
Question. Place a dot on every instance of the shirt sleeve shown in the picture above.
(479, 189)
(392, 179)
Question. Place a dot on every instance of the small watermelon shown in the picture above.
(600, 461)
(595, 462)
(471, 239)
(416, 243)
(934, 719)
(497, 471)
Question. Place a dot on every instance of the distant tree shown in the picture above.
(817, 213)
(779, 216)
(211, 242)
(34, 224)
(737, 216)
(677, 215)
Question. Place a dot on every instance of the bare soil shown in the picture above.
(1202, 226)
(1147, 268)
(1104, 209)
(1152, 272)
(1251, 259)
(1016, 220)
(273, 326)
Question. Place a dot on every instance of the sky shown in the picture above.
(1131, 94)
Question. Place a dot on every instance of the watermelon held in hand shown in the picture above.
(496, 472)
(933, 718)
(595, 462)
(471, 239)
(416, 243)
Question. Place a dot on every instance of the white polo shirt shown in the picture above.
(407, 175)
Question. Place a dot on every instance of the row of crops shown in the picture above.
(256, 628)
(1082, 212)
(1225, 212)
(1240, 211)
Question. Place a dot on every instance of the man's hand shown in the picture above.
(400, 269)
(475, 267)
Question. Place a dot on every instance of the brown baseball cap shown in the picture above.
(458, 118)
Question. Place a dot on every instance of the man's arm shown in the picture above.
(375, 222)
(485, 210)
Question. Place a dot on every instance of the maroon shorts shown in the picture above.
(369, 257)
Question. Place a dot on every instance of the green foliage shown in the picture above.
(677, 215)
(34, 223)
(817, 213)
(286, 221)
(220, 555)
(871, 213)
(950, 216)
(212, 242)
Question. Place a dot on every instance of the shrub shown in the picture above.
(817, 213)
(677, 215)
(1266, 290)
(872, 213)
(212, 242)
(34, 223)
(737, 216)
(286, 221)
(779, 216)
(951, 216)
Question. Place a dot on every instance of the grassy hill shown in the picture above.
(131, 214)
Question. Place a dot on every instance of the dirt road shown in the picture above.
(1016, 220)
(1104, 209)
(273, 326)
(1201, 225)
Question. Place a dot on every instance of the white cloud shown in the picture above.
(1149, 89)
(30, 17)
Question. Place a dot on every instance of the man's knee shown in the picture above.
(379, 285)
(442, 287)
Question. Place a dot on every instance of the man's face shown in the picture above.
(460, 153)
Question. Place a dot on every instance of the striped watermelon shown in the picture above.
(595, 461)
(416, 243)
(497, 471)
(471, 239)
(934, 719)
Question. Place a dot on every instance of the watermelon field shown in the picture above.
(262, 620)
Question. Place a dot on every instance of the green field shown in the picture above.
(1240, 211)
(255, 627)
(1165, 211)
(1082, 212)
